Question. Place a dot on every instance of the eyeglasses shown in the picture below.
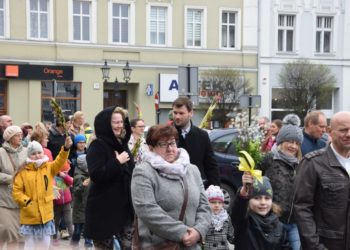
(140, 126)
(171, 144)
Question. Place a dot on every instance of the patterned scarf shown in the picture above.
(177, 168)
(218, 220)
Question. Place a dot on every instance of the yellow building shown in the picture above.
(57, 48)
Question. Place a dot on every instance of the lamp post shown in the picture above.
(126, 71)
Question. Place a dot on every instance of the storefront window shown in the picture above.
(67, 95)
(3, 97)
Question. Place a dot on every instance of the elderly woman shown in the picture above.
(109, 210)
(158, 190)
(12, 156)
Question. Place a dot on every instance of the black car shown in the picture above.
(222, 141)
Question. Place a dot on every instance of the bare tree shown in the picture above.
(228, 84)
(305, 85)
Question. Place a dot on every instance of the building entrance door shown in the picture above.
(113, 96)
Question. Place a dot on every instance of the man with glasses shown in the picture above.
(322, 191)
(315, 125)
(137, 143)
(195, 141)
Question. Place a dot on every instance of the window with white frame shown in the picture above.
(228, 29)
(81, 20)
(194, 27)
(2, 18)
(39, 19)
(158, 25)
(120, 23)
(286, 33)
(324, 28)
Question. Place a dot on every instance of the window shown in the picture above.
(3, 97)
(158, 25)
(228, 29)
(2, 18)
(278, 101)
(81, 20)
(325, 102)
(38, 19)
(120, 23)
(195, 26)
(67, 95)
(324, 26)
(286, 26)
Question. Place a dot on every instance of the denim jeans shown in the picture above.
(78, 229)
(293, 236)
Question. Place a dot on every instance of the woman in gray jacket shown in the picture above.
(12, 157)
(157, 190)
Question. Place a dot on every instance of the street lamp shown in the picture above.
(126, 71)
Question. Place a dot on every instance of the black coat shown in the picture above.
(198, 146)
(251, 236)
(109, 208)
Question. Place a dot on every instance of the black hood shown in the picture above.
(103, 130)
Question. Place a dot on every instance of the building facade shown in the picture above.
(56, 48)
(316, 30)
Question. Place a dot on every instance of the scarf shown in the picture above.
(267, 231)
(218, 220)
(279, 155)
(176, 168)
(39, 162)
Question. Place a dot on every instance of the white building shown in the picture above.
(316, 30)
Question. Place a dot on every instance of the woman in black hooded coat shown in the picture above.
(109, 211)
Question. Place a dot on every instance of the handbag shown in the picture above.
(167, 245)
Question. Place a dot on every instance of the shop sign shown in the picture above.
(168, 87)
(36, 72)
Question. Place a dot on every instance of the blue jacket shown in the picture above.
(311, 144)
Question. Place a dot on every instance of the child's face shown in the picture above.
(36, 156)
(216, 206)
(260, 204)
(81, 146)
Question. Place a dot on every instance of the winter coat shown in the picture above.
(158, 198)
(282, 176)
(250, 235)
(33, 190)
(80, 193)
(56, 141)
(7, 172)
(108, 208)
(198, 146)
(64, 184)
(218, 240)
(321, 205)
(311, 144)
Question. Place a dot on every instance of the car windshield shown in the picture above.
(225, 144)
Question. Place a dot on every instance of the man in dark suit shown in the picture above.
(195, 141)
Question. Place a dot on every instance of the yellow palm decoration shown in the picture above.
(247, 164)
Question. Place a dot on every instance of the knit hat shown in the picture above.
(215, 193)
(262, 188)
(34, 147)
(292, 119)
(289, 133)
(79, 138)
(81, 161)
(10, 132)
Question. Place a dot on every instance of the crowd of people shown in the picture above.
(120, 190)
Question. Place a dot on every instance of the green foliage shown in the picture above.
(249, 140)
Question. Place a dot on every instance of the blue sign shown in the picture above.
(149, 89)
